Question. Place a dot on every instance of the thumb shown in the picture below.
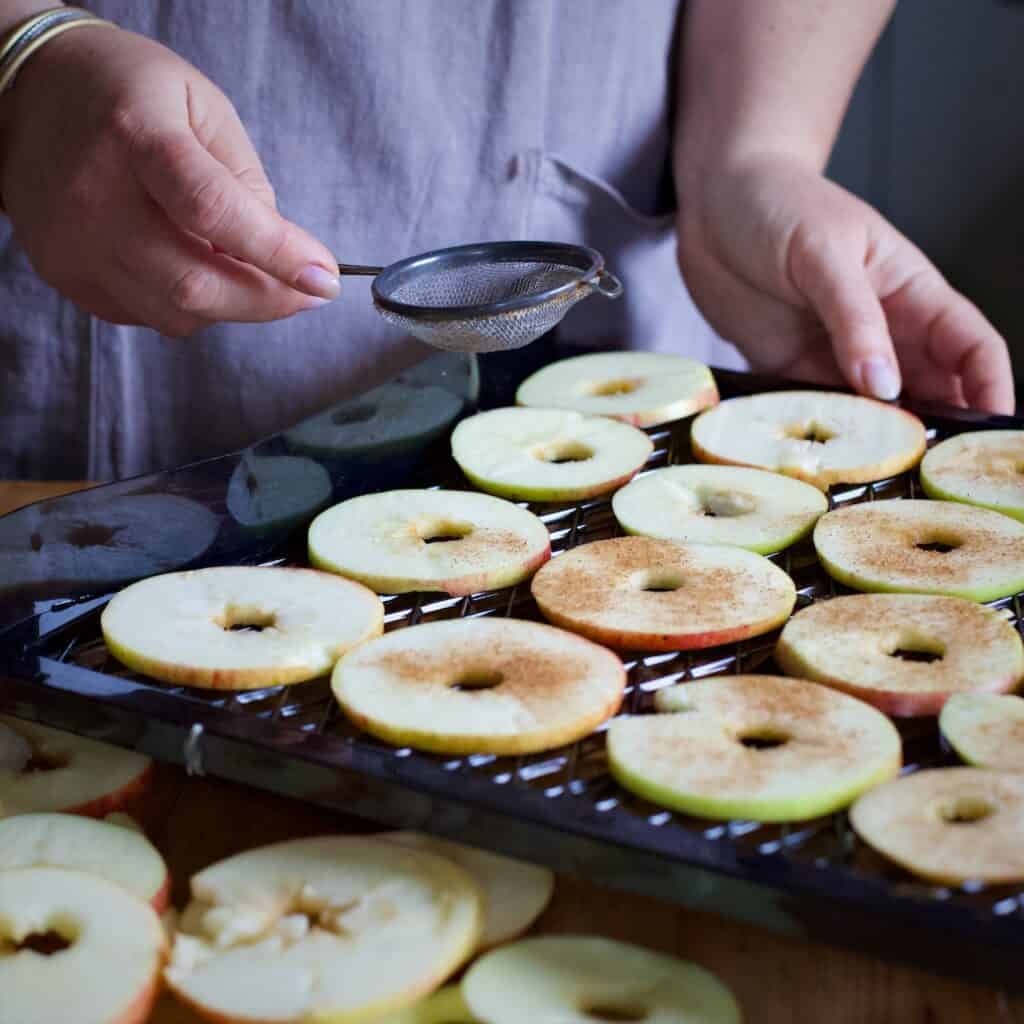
(841, 294)
(202, 196)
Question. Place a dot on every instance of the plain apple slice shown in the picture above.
(760, 747)
(986, 729)
(746, 508)
(515, 893)
(548, 454)
(459, 542)
(634, 593)
(239, 627)
(276, 492)
(580, 978)
(905, 653)
(923, 547)
(822, 437)
(446, 1006)
(482, 685)
(982, 468)
(330, 928)
(118, 854)
(67, 773)
(948, 825)
(107, 947)
(642, 388)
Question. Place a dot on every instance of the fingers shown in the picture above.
(231, 145)
(955, 338)
(202, 196)
(841, 294)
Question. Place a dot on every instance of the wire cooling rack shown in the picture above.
(561, 807)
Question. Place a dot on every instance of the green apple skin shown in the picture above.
(938, 494)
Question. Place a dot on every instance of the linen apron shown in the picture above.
(387, 127)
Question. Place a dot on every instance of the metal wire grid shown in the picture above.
(579, 772)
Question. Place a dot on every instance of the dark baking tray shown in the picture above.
(560, 808)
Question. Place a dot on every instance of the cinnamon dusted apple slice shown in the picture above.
(948, 825)
(339, 928)
(905, 653)
(642, 388)
(985, 467)
(239, 627)
(760, 747)
(923, 547)
(577, 979)
(75, 947)
(121, 855)
(459, 542)
(548, 454)
(746, 508)
(515, 893)
(986, 729)
(818, 436)
(634, 593)
(483, 685)
(43, 769)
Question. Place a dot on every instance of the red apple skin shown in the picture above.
(139, 1010)
(702, 400)
(132, 794)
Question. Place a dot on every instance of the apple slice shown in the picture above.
(986, 729)
(331, 928)
(118, 854)
(982, 468)
(948, 825)
(75, 947)
(446, 1006)
(239, 627)
(634, 593)
(459, 542)
(642, 388)
(822, 437)
(548, 454)
(759, 747)
(905, 653)
(923, 547)
(274, 492)
(746, 508)
(65, 772)
(570, 978)
(482, 685)
(515, 893)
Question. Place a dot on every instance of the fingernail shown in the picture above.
(880, 378)
(314, 280)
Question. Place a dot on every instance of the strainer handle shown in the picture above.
(356, 269)
(608, 285)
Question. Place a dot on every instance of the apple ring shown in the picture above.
(239, 627)
(548, 454)
(483, 685)
(986, 729)
(766, 748)
(635, 593)
(822, 437)
(948, 825)
(923, 547)
(905, 653)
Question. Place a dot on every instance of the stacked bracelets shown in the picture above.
(24, 39)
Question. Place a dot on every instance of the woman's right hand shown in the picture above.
(135, 191)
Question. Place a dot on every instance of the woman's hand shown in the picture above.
(136, 192)
(810, 282)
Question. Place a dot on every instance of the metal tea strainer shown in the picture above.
(487, 297)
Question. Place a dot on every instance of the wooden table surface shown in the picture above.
(777, 980)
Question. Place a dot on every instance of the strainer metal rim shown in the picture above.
(589, 263)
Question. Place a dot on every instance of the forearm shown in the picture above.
(764, 77)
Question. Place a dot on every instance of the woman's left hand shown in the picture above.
(812, 283)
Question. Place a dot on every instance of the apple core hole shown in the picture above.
(558, 452)
(726, 504)
(355, 414)
(919, 654)
(939, 545)
(618, 1013)
(612, 387)
(441, 531)
(245, 620)
(810, 430)
(46, 761)
(965, 810)
(55, 937)
(763, 739)
(658, 581)
(477, 679)
(92, 535)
